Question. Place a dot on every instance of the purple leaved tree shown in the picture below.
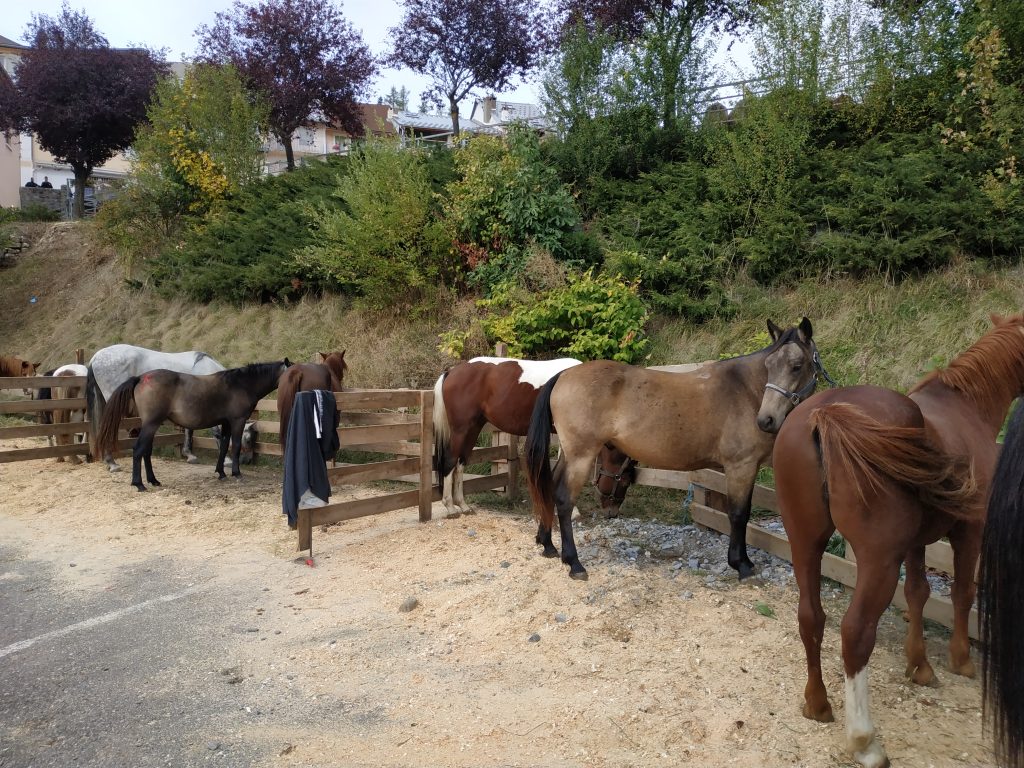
(81, 98)
(301, 56)
(463, 45)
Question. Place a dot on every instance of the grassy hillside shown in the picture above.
(868, 331)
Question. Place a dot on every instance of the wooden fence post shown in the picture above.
(80, 356)
(426, 454)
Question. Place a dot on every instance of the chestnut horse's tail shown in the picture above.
(875, 452)
(538, 465)
(444, 461)
(119, 406)
(1002, 593)
(289, 384)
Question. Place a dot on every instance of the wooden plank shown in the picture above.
(354, 436)
(44, 430)
(39, 382)
(351, 474)
(711, 479)
(34, 406)
(266, 404)
(939, 556)
(398, 448)
(349, 510)
(158, 440)
(363, 419)
(492, 453)
(43, 452)
(368, 399)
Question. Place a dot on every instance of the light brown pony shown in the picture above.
(305, 377)
(66, 415)
(683, 421)
(15, 366)
(894, 473)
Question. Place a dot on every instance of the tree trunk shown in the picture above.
(288, 153)
(78, 202)
(453, 111)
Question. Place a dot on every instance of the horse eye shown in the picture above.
(798, 368)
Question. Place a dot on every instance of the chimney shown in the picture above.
(488, 104)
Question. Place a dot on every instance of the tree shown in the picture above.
(303, 58)
(664, 37)
(398, 98)
(465, 45)
(81, 98)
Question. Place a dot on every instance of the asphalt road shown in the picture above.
(141, 673)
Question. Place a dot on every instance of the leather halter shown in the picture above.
(627, 465)
(808, 389)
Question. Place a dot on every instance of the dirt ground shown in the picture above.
(504, 660)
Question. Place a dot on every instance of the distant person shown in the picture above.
(31, 183)
(46, 183)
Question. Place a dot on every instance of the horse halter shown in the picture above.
(808, 389)
(627, 465)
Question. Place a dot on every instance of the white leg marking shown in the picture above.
(96, 621)
(860, 731)
(446, 496)
(460, 499)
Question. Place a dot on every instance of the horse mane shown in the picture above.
(991, 371)
(235, 377)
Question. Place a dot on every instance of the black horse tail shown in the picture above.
(120, 405)
(538, 466)
(94, 401)
(1002, 592)
(444, 461)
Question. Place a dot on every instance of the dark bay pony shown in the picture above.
(894, 473)
(305, 377)
(225, 398)
(497, 390)
(683, 421)
(1002, 590)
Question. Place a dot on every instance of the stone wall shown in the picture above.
(53, 199)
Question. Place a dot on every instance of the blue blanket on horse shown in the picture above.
(312, 439)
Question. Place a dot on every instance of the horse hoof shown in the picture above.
(579, 575)
(746, 570)
(823, 715)
(155, 483)
(114, 468)
(192, 459)
(921, 674)
(140, 488)
(967, 669)
(550, 551)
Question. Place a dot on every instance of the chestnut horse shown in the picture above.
(15, 366)
(894, 473)
(1002, 660)
(684, 421)
(496, 390)
(194, 402)
(305, 377)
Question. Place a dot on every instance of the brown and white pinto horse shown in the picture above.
(894, 473)
(496, 390)
(684, 421)
(64, 415)
(305, 377)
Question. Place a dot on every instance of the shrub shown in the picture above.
(592, 318)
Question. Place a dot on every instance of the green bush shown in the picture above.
(244, 249)
(592, 318)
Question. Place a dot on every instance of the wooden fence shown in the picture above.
(399, 423)
(384, 421)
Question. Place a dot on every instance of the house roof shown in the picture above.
(505, 112)
(6, 42)
(434, 123)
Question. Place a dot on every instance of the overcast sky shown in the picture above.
(171, 25)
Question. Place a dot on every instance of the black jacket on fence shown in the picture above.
(312, 439)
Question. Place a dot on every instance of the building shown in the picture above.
(323, 139)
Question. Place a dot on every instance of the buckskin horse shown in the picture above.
(305, 377)
(894, 473)
(683, 421)
(501, 391)
(194, 402)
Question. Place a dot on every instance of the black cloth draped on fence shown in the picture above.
(312, 439)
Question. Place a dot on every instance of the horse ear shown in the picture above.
(35, 367)
(996, 319)
(774, 331)
(287, 363)
(805, 331)
(322, 356)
